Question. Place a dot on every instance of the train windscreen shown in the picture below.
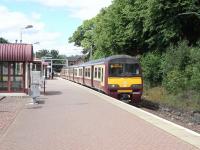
(123, 70)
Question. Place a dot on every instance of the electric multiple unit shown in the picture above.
(118, 76)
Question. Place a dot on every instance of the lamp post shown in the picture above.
(26, 27)
(36, 43)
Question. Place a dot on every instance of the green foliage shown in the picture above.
(2, 40)
(176, 58)
(185, 100)
(54, 54)
(138, 26)
(164, 33)
(83, 37)
(193, 69)
(181, 68)
(43, 53)
(175, 81)
(151, 66)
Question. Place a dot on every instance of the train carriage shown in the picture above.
(118, 76)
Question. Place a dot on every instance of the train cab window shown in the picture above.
(132, 69)
(99, 73)
(117, 70)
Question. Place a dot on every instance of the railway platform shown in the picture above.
(73, 117)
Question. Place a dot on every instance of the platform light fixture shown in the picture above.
(26, 27)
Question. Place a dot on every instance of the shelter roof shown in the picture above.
(16, 52)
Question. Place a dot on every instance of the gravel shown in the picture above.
(188, 119)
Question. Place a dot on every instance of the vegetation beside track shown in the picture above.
(164, 35)
(186, 101)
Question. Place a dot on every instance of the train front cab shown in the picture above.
(125, 81)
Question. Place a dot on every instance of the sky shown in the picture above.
(53, 21)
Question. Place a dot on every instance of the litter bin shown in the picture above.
(35, 91)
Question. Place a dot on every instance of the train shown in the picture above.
(119, 76)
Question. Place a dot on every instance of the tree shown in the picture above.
(83, 37)
(139, 26)
(54, 54)
(2, 40)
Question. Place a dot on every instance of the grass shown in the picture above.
(187, 100)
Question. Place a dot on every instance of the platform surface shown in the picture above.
(72, 117)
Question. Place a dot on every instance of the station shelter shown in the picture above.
(15, 67)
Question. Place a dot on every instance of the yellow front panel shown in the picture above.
(124, 82)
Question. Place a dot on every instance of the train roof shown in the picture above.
(114, 58)
(128, 58)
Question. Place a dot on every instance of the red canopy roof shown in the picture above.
(16, 52)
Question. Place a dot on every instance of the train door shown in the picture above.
(72, 74)
(103, 76)
(83, 75)
(92, 76)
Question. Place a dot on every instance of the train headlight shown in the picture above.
(136, 86)
(113, 86)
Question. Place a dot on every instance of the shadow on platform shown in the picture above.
(51, 93)
(35, 106)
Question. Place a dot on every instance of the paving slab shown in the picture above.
(9, 108)
(70, 117)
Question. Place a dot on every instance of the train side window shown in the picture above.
(86, 72)
(102, 75)
(99, 73)
(81, 72)
(95, 73)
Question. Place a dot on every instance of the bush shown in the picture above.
(151, 66)
(181, 68)
(176, 58)
(175, 81)
(193, 69)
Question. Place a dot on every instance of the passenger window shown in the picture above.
(95, 73)
(81, 72)
(88, 72)
(102, 75)
(99, 73)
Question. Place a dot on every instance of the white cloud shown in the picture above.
(10, 28)
(70, 49)
(66, 49)
(82, 9)
(35, 15)
(12, 22)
